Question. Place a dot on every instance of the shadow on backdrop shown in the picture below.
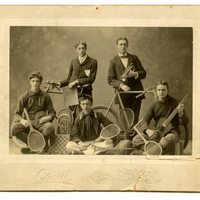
(166, 53)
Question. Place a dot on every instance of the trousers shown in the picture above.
(21, 132)
(166, 142)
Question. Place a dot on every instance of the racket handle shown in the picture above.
(161, 128)
(26, 114)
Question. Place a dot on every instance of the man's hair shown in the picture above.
(163, 83)
(122, 38)
(35, 75)
(86, 97)
(82, 43)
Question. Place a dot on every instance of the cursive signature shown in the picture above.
(45, 176)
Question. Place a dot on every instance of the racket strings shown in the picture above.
(153, 148)
(110, 131)
(36, 141)
(126, 118)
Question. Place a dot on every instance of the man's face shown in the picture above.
(86, 106)
(81, 50)
(35, 84)
(122, 46)
(162, 92)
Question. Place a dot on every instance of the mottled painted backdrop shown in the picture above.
(166, 53)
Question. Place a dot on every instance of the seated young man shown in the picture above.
(161, 108)
(87, 126)
(40, 110)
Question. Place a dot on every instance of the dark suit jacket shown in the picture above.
(116, 68)
(77, 71)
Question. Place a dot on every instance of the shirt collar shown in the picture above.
(165, 100)
(121, 55)
(92, 113)
(82, 58)
(31, 93)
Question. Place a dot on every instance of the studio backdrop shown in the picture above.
(165, 52)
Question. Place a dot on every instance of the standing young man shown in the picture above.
(132, 82)
(82, 71)
(162, 108)
(40, 110)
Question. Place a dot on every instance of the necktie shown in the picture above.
(88, 122)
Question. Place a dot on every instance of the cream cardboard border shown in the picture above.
(163, 173)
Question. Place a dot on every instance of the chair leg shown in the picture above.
(179, 147)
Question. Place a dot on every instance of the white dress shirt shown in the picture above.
(124, 59)
(82, 59)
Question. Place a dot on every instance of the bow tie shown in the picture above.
(124, 56)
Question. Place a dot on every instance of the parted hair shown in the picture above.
(85, 97)
(163, 83)
(122, 38)
(35, 75)
(80, 42)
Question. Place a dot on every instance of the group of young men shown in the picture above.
(88, 123)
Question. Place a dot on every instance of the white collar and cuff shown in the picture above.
(124, 59)
(82, 59)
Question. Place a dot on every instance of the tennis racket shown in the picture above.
(126, 118)
(150, 147)
(35, 140)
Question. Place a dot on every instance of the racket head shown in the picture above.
(152, 148)
(19, 143)
(110, 131)
(126, 118)
(35, 140)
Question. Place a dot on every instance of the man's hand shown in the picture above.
(125, 88)
(72, 84)
(82, 146)
(152, 134)
(132, 74)
(25, 123)
(155, 136)
(45, 119)
(180, 109)
(80, 143)
(72, 147)
(149, 132)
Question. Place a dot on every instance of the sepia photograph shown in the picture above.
(95, 90)
(99, 98)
